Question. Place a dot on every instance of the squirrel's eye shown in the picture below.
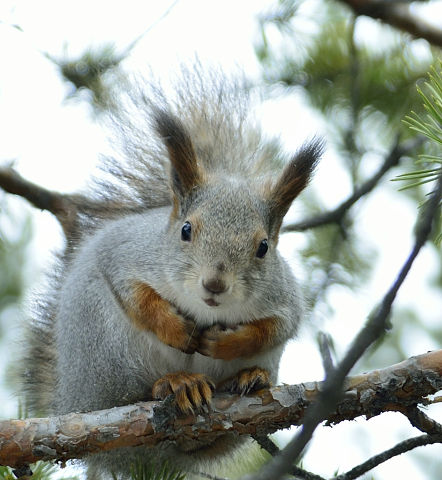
(262, 249)
(186, 232)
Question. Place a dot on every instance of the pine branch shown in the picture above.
(398, 15)
(267, 444)
(337, 214)
(61, 206)
(65, 207)
(423, 422)
(396, 388)
(398, 449)
(359, 470)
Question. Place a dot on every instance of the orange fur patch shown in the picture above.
(151, 312)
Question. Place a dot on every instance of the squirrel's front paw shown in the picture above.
(246, 381)
(179, 333)
(226, 343)
(192, 390)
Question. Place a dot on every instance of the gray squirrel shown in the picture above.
(174, 286)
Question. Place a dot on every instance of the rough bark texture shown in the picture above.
(395, 388)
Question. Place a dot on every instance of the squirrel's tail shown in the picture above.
(38, 362)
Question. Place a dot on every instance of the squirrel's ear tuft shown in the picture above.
(293, 180)
(185, 173)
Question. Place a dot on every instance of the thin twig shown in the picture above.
(324, 342)
(304, 474)
(423, 422)
(333, 384)
(267, 444)
(398, 449)
(270, 446)
(355, 104)
(336, 215)
(208, 476)
(150, 27)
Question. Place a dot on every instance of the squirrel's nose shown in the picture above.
(215, 285)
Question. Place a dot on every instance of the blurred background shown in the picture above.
(319, 68)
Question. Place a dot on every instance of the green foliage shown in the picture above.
(88, 73)
(364, 92)
(428, 124)
(6, 473)
(40, 471)
(432, 128)
(14, 237)
(376, 82)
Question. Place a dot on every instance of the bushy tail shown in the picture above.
(38, 363)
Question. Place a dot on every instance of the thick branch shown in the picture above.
(75, 435)
(398, 15)
(65, 207)
(61, 206)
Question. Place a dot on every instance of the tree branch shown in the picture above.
(337, 214)
(65, 207)
(395, 388)
(398, 449)
(61, 206)
(369, 464)
(423, 422)
(398, 15)
(267, 444)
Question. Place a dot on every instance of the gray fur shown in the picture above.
(84, 353)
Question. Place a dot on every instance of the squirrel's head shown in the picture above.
(226, 227)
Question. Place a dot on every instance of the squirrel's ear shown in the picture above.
(185, 173)
(292, 181)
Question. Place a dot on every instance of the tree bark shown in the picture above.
(395, 388)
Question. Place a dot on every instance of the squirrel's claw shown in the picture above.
(246, 381)
(192, 391)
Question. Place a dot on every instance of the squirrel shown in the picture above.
(176, 286)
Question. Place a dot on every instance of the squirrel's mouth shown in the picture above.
(211, 302)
